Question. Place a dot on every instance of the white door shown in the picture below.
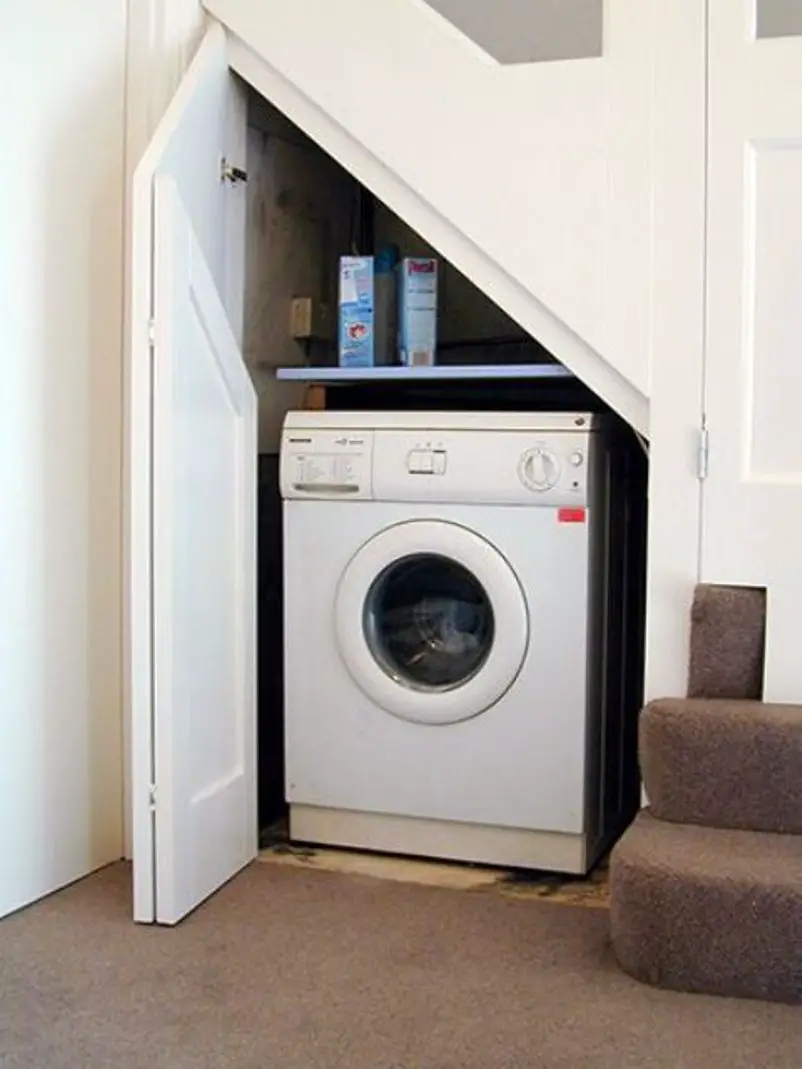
(191, 508)
(752, 498)
(204, 576)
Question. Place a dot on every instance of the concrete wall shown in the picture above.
(299, 214)
(301, 210)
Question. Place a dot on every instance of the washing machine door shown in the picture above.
(431, 622)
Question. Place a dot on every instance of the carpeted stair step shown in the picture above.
(728, 638)
(708, 910)
(726, 764)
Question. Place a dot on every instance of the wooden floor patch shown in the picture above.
(590, 891)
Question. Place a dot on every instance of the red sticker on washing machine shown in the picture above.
(570, 515)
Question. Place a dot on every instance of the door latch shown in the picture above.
(230, 173)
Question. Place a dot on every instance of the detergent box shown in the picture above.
(356, 340)
(417, 310)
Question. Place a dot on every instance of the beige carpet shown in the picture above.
(298, 969)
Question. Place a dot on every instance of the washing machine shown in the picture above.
(453, 674)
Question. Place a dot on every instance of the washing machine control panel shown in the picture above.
(326, 464)
(515, 467)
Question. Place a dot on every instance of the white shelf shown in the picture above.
(440, 372)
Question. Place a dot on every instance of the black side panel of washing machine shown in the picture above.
(636, 496)
(616, 638)
(626, 612)
(270, 645)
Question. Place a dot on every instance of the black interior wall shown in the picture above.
(270, 644)
(548, 395)
(625, 612)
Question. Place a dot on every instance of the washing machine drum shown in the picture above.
(431, 622)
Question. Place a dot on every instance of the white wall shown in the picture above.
(62, 120)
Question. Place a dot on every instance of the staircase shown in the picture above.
(706, 885)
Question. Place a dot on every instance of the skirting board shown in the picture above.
(444, 839)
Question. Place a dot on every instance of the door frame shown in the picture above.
(679, 214)
(162, 38)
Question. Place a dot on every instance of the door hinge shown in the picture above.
(703, 460)
(152, 797)
(230, 173)
(151, 332)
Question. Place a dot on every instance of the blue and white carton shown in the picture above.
(357, 312)
(417, 311)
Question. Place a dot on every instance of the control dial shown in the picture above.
(539, 469)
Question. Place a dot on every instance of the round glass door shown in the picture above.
(431, 622)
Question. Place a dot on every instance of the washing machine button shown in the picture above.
(420, 462)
